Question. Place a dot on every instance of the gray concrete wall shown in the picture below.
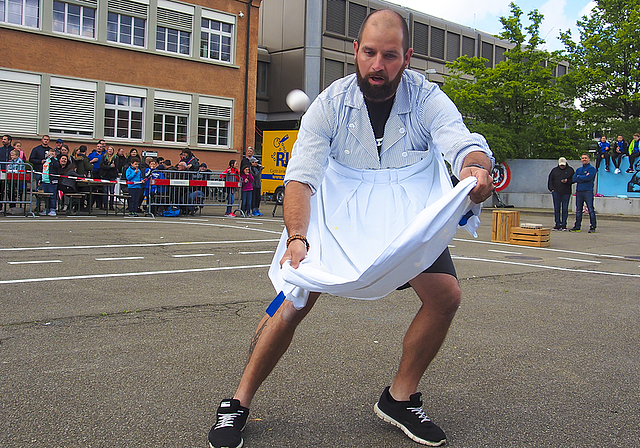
(528, 189)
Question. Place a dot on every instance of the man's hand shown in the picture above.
(484, 188)
(296, 252)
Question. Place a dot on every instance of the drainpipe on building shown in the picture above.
(246, 77)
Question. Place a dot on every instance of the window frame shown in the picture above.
(222, 19)
(116, 107)
(205, 135)
(24, 7)
(119, 33)
(163, 131)
(82, 17)
(219, 111)
(178, 44)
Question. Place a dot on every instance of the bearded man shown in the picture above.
(383, 130)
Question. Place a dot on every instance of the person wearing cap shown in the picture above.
(59, 144)
(559, 184)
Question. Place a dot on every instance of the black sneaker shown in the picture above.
(630, 171)
(231, 419)
(410, 418)
(592, 230)
(557, 227)
(574, 229)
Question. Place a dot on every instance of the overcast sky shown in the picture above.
(484, 15)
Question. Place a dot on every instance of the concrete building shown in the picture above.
(309, 44)
(157, 75)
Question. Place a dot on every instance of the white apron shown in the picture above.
(371, 231)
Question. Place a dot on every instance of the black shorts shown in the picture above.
(442, 265)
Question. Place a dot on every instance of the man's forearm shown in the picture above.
(297, 207)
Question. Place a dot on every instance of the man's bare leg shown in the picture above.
(270, 341)
(440, 296)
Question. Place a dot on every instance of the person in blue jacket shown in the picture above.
(583, 178)
(134, 181)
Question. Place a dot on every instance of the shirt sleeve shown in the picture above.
(442, 120)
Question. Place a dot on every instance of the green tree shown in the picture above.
(606, 66)
(519, 106)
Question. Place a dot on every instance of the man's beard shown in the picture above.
(380, 92)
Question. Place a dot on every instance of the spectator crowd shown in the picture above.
(56, 170)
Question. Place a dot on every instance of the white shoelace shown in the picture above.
(226, 420)
(421, 414)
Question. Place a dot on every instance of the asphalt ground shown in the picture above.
(127, 332)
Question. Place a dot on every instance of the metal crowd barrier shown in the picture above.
(16, 189)
(188, 191)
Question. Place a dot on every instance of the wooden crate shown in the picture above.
(503, 220)
(530, 237)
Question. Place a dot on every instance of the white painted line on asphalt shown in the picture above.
(34, 262)
(192, 255)
(172, 222)
(194, 219)
(620, 257)
(451, 246)
(250, 222)
(117, 246)
(577, 259)
(556, 268)
(504, 252)
(130, 274)
(257, 252)
(119, 258)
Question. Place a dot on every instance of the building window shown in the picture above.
(214, 122)
(21, 91)
(335, 18)
(262, 80)
(487, 53)
(215, 40)
(468, 46)
(357, 14)
(123, 116)
(173, 41)
(20, 12)
(333, 70)
(72, 106)
(213, 132)
(437, 43)
(74, 19)
(421, 38)
(170, 128)
(453, 46)
(125, 29)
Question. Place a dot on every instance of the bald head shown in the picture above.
(385, 19)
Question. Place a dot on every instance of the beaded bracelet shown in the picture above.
(300, 237)
(477, 165)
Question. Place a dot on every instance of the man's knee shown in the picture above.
(450, 301)
(439, 292)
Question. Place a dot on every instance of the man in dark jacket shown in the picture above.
(38, 156)
(584, 178)
(5, 149)
(559, 184)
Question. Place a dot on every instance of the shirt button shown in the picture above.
(351, 125)
(346, 151)
(401, 130)
(405, 154)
